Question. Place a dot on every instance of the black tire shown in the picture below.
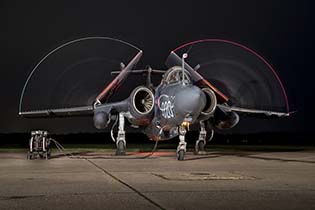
(120, 148)
(181, 155)
(201, 146)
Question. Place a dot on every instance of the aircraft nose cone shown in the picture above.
(189, 102)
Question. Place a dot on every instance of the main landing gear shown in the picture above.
(201, 142)
(121, 137)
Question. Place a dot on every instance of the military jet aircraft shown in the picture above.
(209, 83)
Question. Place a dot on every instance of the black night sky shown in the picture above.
(282, 31)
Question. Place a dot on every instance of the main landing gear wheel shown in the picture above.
(29, 156)
(120, 151)
(204, 135)
(200, 148)
(181, 155)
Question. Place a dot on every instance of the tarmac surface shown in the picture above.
(218, 180)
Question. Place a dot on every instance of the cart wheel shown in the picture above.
(48, 155)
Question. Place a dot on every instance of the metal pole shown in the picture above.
(185, 55)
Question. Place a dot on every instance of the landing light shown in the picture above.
(185, 124)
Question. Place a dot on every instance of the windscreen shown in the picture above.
(74, 73)
(244, 76)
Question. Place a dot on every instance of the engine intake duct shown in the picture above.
(211, 102)
(143, 100)
(141, 107)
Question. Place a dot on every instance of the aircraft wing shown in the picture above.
(59, 113)
(253, 112)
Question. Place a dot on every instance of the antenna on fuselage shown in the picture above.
(185, 55)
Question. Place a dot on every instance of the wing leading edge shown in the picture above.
(253, 112)
(63, 112)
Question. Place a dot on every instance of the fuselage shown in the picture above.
(175, 103)
(160, 111)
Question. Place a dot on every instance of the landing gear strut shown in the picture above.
(121, 137)
(181, 149)
(201, 142)
(39, 145)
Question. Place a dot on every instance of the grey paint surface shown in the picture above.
(232, 180)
